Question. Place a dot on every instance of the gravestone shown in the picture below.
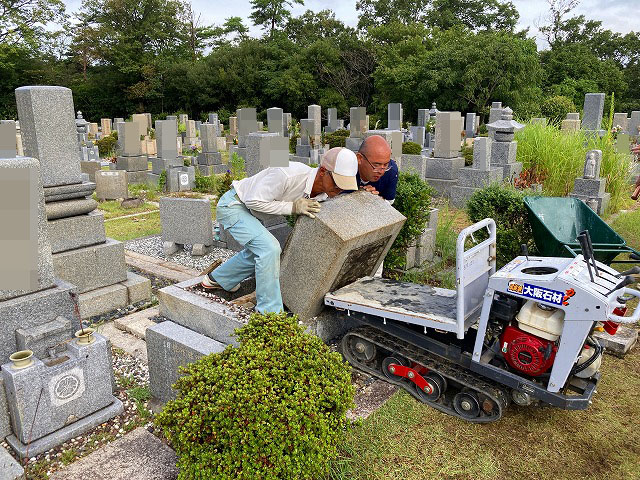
(247, 123)
(592, 112)
(394, 116)
(357, 127)
(417, 135)
(479, 175)
(470, 125)
(8, 139)
(539, 121)
(350, 236)
(287, 123)
(275, 120)
(190, 137)
(495, 113)
(111, 185)
(183, 118)
(623, 143)
(140, 120)
(590, 188)
(571, 123)
(181, 179)
(90, 167)
(314, 112)
(634, 125)
(131, 158)
(105, 126)
(442, 170)
(210, 157)
(621, 120)
(266, 150)
(186, 221)
(44, 112)
(233, 126)
(332, 120)
(423, 117)
(504, 147)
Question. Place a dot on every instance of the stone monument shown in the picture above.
(504, 147)
(590, 188)
(480, 175)
(131, 158)
(442, 170)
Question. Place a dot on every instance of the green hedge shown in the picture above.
(411, 148)
(337, 138)
(272, 408)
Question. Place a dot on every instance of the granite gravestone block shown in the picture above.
(186, 221)
(620, 120)
(480, 175)
(49, 132)
(470, 125)
(275, 120)
(417, 135)
(140, 120)
(8, 139)
(25, 251)
(633, 125)
(332, 120)
(90, 168)
(129, 137)
(105, 126)
(266, 150)
(111, 185)
(358, 121)
(166, 134)
(592, 111)
(314, 112)
(233, 126)
(350, 236)
(394, 116)
(590, 188)
(247, 123)
(423, 117)
(448, 131)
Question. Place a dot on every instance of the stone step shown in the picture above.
(137, 323)
(619, 344)
(159, 268)
(10, 469)
(124, 341)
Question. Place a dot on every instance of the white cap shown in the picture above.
(343, 165)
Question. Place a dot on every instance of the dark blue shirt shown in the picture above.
(387, 184)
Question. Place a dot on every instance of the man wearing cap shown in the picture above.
(377, 172)
(295, 189)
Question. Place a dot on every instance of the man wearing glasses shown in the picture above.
(377, 172)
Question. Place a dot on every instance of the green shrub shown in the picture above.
(272, 408)
(411, 148)
(237, 167)
(107, 145)
(557, 159)
(337, 138)
(505, 205)
(413, 199)
(182, 127)
(162, 181)
(205, 184)
(293, 141)
(556, 108)
(467, 154)
(483, 131)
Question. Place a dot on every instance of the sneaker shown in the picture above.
(209, 284)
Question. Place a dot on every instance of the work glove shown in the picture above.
(306, 206)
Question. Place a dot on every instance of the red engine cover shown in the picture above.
(526, 352)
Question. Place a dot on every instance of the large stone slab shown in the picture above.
(134, 163)
(48, 127)
(92, 267)
(42, 338)
(102, 300)
(111, 185)
(5, 422)
(448, 134)
(619, 344)
(198, 313)
(138, 455)
(169, 347)
(186, 221)
(350, 236)
(8, 144)
(592, 111)
(76, 232)
(10, 469)
(25, 251)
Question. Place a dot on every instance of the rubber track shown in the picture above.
(447, 369)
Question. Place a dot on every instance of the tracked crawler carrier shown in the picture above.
(520, 334)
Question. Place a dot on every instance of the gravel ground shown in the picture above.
(241, 313)
(152, 246)
(131, 376)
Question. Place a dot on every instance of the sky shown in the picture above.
(616, 15)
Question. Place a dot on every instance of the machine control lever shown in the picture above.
(525, 250)
(584, 245)
(631, 271)
(628, 280)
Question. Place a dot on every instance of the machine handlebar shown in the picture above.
(613, 304)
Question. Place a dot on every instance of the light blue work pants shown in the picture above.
(261, 254)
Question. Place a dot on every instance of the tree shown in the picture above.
(270, 14)
(558, 10)
(23, 21)
(372, 13)
(473, 14)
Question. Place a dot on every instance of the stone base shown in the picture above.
(160, 164)
(242, 151)
(198, 249)
(76, 232)
(444, 168)
(510, 170)
(303, 150)
(92, 267)
(181, 179)
(51, 335)
(10, 469)
(210, 158)
(198, 313)
(134, 289)
(620, 343)
(70, 431)
(169, 347)
(503, 153)
(133, 164)
(90, 168)
(414, 164)
(443, 187)
(29, 311)
(603, 202)
(69, 192)
(208, 170)
(589, 187)
(152, 179)
(5, 422)
(461, 195)
(330, 324)
(137, 177)
(295, 158)
(353, 143)
(473, 177)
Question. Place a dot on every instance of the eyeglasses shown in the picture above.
(380, 167)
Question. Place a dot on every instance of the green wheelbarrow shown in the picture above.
(557, 221)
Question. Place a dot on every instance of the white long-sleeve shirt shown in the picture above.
(274, 189)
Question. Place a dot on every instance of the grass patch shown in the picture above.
(134, 227)
(627, 225)
(406, 440)
(557, 159)
(143, 190)
(112, 209)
